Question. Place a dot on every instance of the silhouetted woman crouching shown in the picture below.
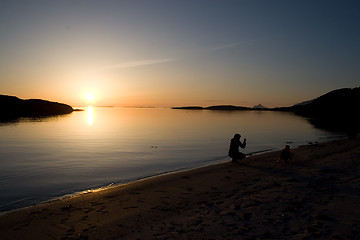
(234, 152)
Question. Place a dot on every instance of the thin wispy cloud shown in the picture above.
(153, 61)
(138, 63)
(230, 45)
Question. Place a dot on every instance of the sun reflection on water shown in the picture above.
(90, 116)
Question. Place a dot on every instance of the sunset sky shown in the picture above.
(176, 53)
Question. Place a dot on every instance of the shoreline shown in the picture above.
(221, 200)
(112, 185)
(115, 185)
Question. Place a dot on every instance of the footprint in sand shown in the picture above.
(96, 203)
(89, 228)
(89, 210)
(227, 178)
(130, 207)
(64, 220)
(102, 210)
(21, 226)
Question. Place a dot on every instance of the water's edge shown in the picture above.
(143, 178)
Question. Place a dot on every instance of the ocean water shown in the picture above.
(42, 159)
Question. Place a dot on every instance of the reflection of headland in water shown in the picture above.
(337, 110)
(13, 108)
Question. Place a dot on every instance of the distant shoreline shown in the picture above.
(335, 110)
(233, 108)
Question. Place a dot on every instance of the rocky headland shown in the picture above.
(12, 108)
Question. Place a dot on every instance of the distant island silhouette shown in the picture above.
(12, 108)
(337, 110)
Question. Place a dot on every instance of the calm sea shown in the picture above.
(52, 157)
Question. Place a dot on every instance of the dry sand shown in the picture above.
(315, 196)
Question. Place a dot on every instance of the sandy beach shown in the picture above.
(314, 196)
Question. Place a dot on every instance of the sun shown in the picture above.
(90, 97)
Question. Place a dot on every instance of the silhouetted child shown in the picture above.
(285, 154)
(234, 152)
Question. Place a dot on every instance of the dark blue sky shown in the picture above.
(167, 53)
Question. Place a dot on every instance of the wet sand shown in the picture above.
(315, 196)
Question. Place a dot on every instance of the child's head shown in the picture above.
(287, 147)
